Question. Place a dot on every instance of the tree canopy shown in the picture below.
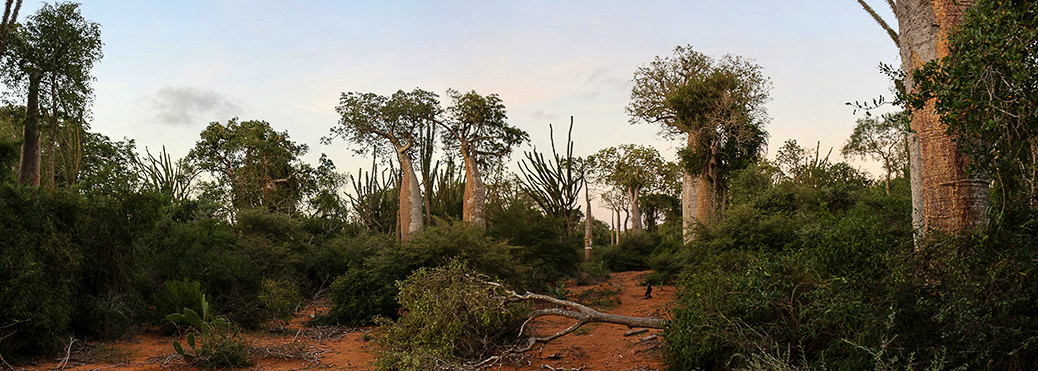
(253, 164)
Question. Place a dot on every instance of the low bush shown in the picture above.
(367, 289)
(212, 342)
(450, 321)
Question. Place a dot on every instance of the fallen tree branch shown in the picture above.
(579, 312)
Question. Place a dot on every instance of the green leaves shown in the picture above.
(986, 90)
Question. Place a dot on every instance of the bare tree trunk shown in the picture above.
(951, 200)
(29, 164)
(588, 221)
(53, 137)
(475, 192)
(410, 217)
(616, 231)
(7, 22)
(636, 212)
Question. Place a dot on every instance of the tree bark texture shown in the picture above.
(29, 164)
(636, 212)
(410, 216)
(951, 200)
(697, 200)
(475, 193)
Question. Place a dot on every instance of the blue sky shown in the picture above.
(171, 67)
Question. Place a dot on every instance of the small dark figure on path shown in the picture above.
(648, 292)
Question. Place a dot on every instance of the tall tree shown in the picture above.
(631, 168)
(253, 165)
(476, 126)
(51, 56)
(885, 139)
(944, 195)
(719, 105)
(986, 93)
(389, 125)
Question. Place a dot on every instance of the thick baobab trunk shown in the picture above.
(636, 212)
(697, 200)
(475, 194)
(410, 217)
(29, 164)
(950, 200)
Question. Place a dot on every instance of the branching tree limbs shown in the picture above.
(562, 308)
(884, 139)
(555, 184)
(633, 169)
(719, 105)
(387, 125)
(476, 126)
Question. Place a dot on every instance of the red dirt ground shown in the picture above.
(593, 347)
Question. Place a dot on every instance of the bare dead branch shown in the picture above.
(579, 312)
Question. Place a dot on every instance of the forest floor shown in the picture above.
(596, 346)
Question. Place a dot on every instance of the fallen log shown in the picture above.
(579, 312)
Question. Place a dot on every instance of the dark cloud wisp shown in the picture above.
(187, 105)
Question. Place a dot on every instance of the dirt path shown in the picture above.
(603, 346)
(296, 347)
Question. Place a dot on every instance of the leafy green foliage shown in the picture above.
(985, 91)
(477, 126)
(253, 165)
(366, 289)
(174, 297)
(884, 139)
(280, 298)
(451, 319)
(791, 270)
(212, 342)
(37, 268)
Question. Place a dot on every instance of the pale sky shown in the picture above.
(171, 67)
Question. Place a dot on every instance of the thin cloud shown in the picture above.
(187, 105)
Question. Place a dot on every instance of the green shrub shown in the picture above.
(207, 251)
(631, 254)
(367, 289)
(212, 342)
(592, 272)
(39, 263)
(109, 315)
(280, 298)
(174, 297)
(450, 320)
(740, 303)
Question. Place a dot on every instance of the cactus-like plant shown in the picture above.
(212, 341)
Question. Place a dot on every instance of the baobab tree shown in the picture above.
(944, 196)
(719, 105)
(631, 168)
(477, 127)
(49, 60)
(388, 125)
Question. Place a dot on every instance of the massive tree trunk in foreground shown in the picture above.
(944, 196)
(29, 165)
(410, 218)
